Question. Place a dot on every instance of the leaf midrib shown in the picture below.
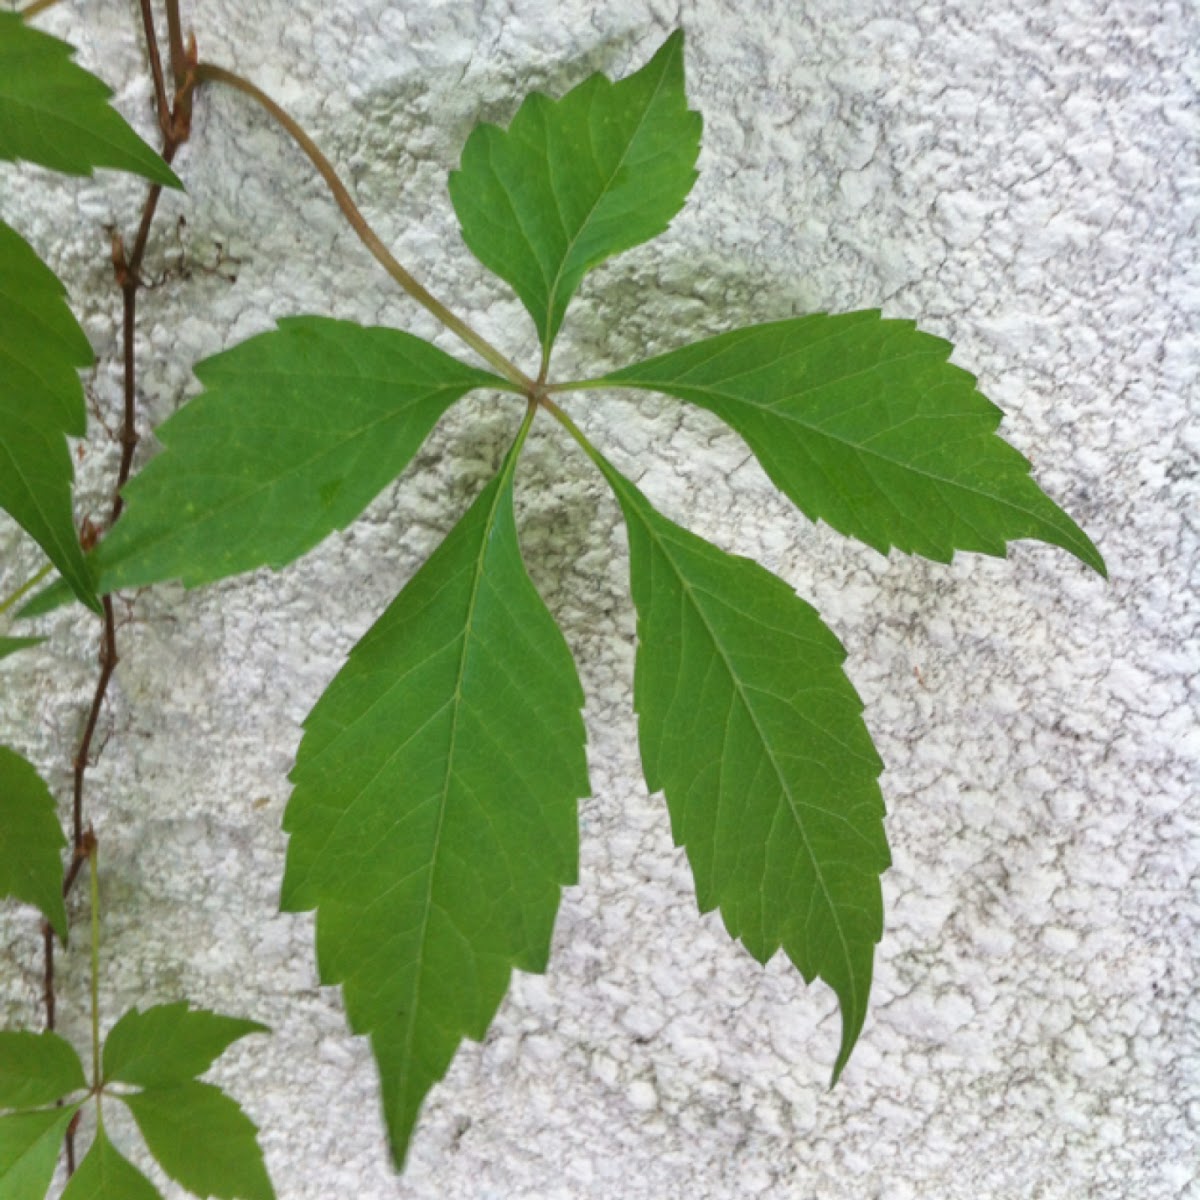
(604, 191)
(64, 549)
(456, 702)
(716, 397)
(178, 525)
(87, 131)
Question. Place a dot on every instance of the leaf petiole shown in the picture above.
(95, 897)
(369, 238)
(577, 385)
(25, 588)
(38, 6)
(569, 425)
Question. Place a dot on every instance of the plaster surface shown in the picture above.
(1021, 178)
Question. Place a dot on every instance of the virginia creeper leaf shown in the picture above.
(31, 841)
(863, 424)
(433, 822)
(57, 114)
(37, 1069)
(29, 1145)
(105, 1175)
(42, 350)
(203, 1140)
(751, 728)
(170, 1043)
(573, 181)
(298, 430)
(11, 645)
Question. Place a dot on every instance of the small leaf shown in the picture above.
(573, 181)
(31, 841)
(105, 1175)
(57, 114)
(749, 725)
(170, 1043)
(298, 431)
(37, 1069)
(12, 645)
(434, 817)
(29, 1145)
(202, 1140)
(42, 350)
(864, 425)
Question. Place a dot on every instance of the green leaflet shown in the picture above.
(105, 1175)
(297, 431)
(42, 350)
(202, 1139)
(572, 182)
(751, 728)
(37, 1069)
(29, 1145)
(169, 1043)
(55, 113)
(31, 841)
(863, 423)
(12, 645)
(433, 822)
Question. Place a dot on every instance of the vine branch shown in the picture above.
(212, 73)
(174, 117)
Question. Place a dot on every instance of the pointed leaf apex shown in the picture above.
(56, 114)
(434, 853)
(770, 775)
(571, 182)
(31, 846)
(863, 423)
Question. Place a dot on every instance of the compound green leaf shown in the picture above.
(31, 841)
(864, 424)
(297, 431)
(55, 113)
(29, 1145)
(42, 350)
(572, 182)
(749, 725)
(203, 1140)
(105, 1175)
(170, 1043)
(13, 645)
(37, 1069)
(433, 822)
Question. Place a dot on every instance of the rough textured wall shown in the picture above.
(1022, 178)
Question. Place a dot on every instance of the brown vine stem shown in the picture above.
(350, 210)
(175, 120)
(128, 277)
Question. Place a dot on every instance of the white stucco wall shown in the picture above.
(1023, 179)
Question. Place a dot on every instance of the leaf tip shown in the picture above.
(168, 178)
(1091, 557)
(851, 1028)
